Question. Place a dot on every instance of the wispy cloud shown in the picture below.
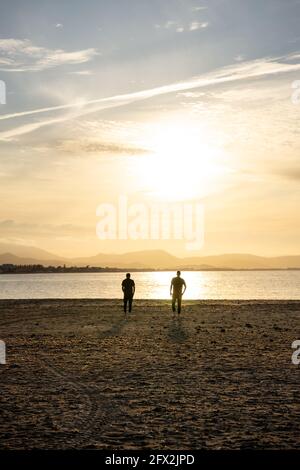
(178, 27)
(239, 58)
(291, 173)
(260, 68)
(195, 25)
(21, 55)
(97, 147)
(192, 94)
(198, 8)
(170, 24)
(82, 72)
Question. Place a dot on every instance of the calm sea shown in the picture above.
(154, 285)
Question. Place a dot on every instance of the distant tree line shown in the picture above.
(39, 268)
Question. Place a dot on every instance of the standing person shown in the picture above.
(176, 291)
(128, 288)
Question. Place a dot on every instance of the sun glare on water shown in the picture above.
(182, 164)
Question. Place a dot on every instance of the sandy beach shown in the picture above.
(81, 376)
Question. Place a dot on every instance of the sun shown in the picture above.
(182, 163)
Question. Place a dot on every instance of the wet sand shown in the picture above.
(81, 376)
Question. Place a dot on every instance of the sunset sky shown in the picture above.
(162, 100)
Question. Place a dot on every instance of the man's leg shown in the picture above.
(125, 304)
(179, 304)
(130, 303)
(173, 302)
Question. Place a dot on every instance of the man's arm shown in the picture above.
(123, 288)
(171, 287)
(133, 288)
(184, 287)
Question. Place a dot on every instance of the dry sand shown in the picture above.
(79, 375)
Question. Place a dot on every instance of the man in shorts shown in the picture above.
(177, 289)
(128, 288)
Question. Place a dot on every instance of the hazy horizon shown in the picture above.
(21, 256)
(7, 247)
(187, 254)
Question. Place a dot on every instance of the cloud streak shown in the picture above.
(179, 28)
(195, 25)
(97, 147)
(261, 68)
(21, 55)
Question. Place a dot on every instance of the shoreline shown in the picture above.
(97, 270)
(154, 301)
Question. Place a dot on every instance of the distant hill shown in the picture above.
(161, 259)
(25, 251)
(9, 258)
(137, 259)
(245, 261)
(147, 259)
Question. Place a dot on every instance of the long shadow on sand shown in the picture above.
(176, 331)
(114, 330)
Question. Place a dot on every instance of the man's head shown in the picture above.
(178, 273)
(128, 275)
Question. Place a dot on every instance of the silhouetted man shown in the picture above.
(176, 291)
(128, 288)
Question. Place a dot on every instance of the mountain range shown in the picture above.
(147, 259)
